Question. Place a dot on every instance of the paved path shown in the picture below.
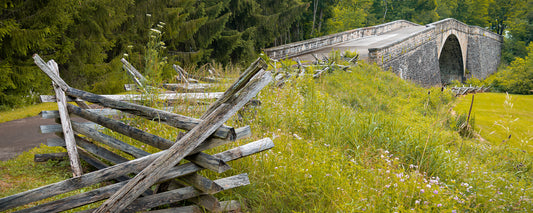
(363, 44)
(22, 135)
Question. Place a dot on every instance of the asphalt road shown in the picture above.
(363, 44)
(22, 135)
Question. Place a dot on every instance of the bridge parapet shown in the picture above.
(310, 45)
(384, 54)
(450, 23)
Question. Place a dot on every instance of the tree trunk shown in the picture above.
(320, 20)
(385, 13)
(315, 6)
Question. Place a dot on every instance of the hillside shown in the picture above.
(367, 140)
(363, 140)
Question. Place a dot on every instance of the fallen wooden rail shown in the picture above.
(139, 97)
(470, 89)
(107, 153)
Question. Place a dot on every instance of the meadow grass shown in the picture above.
(363, 140)
(369, 141)
(26, 111)
(31, 110)
(499, 115)
(22, 174)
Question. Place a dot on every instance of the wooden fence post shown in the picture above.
(65, 124)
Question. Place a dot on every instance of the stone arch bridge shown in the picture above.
(434, 54)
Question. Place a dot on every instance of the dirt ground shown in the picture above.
(22, 135)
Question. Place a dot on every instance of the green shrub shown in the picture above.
(517, 78)
(475, 82)
(464, 126)
(350, 54)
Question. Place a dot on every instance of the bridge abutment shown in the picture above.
(484, 55)
(419, 65)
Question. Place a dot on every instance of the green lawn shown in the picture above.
(27, 111)
(497, 116)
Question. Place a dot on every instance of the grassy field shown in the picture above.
(355, 141)
(27, 111)
(498, 116)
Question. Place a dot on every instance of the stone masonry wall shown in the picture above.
(382, 55)
(484, 55)
(419, 65)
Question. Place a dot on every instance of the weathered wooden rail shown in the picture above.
(470, 89)
(188, 83)
(159, 178)
(318, 68)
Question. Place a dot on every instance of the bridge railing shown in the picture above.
(450, 23)
(381, 55)
(306, 46)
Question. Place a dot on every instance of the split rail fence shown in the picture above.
(188, 83)
(149, 181)
(467, 90)
(318, 67)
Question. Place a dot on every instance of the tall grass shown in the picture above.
(369, 141)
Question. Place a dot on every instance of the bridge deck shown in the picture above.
(362, 45)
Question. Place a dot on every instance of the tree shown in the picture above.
(89, 60)
(26, 29)
(500, 11)
(255, 24)
(349, 15)
(515, 21)
(446, 8)
(473, 12)
(517, 78)
(417, 11)
(312, 20)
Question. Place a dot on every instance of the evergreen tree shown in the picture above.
(27, 27)
(254, 25)
(315, 16)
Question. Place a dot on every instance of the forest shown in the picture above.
(88, 38)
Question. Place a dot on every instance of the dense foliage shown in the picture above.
(87, 38)
(517, 78)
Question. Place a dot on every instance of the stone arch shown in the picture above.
(451, 60)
